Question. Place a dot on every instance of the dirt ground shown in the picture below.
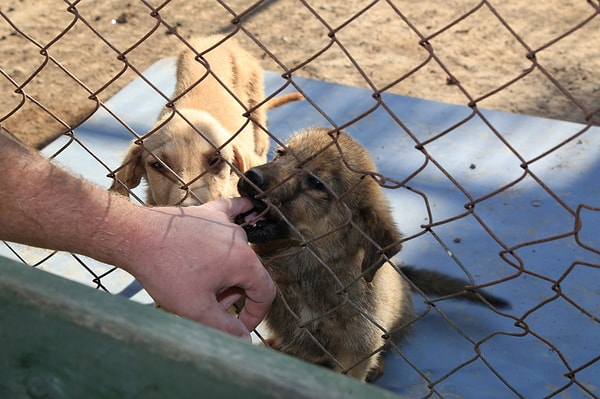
(55, 60)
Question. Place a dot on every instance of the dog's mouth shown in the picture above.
(260, 223)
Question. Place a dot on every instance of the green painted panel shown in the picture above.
(60, 339)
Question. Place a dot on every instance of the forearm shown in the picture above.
(44, 206)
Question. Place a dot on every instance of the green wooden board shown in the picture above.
(60, 339)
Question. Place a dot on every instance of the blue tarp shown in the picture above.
(472, 351)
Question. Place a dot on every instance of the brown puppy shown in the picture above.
(191, 154)
(325, 233)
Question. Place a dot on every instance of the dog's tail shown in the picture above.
(440, 284)
(283, 99)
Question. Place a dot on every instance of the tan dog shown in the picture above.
(325, 232)
(191, 156)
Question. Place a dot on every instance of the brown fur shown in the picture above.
(324, 230)
(324, 266)
(191, 156)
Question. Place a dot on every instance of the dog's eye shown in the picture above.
(214, 162)
(279, 153)
(315, 183)
(157, 165)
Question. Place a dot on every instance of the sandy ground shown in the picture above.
(54, 61)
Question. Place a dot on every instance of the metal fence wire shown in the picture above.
(72, 58)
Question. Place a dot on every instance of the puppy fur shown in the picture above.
(325, 232)
(191, 154)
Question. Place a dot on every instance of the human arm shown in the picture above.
(193, 261)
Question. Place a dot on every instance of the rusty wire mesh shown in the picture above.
(325, 35)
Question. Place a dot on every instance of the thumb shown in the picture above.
(230, 206)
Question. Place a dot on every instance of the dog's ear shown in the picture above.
(245, 158)
(130, 173)
(239, 160)
(378, 223)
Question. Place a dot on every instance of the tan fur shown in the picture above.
(331, 278)
(190, 156)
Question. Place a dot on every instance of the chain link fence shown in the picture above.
(475, 160)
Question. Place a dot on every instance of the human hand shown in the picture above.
(195, 263)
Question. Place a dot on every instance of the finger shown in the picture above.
(231, 206)
(230, 296)
(214, 314)
(222, 320)
(259, 298)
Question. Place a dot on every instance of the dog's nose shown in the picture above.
(255, 177)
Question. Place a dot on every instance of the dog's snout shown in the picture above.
(256, 177)
(253, 176)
